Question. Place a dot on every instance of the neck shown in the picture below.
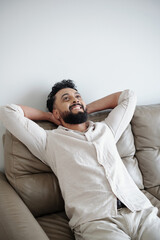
(82, 127)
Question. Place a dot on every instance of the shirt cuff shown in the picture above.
(125, 95)
(16, 108)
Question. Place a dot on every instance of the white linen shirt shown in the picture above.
(90, 171)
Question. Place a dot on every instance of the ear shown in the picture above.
(56, 114)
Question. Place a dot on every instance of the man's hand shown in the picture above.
(53, 119)
(35, 115)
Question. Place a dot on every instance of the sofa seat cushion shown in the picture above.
(56, 226)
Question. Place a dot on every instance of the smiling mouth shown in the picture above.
(76, 106)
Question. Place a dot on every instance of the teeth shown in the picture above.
(76, 107)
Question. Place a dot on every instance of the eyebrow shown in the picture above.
(66, 94)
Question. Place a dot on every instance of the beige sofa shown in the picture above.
(31, 205)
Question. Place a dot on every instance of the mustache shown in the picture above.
(75, 104)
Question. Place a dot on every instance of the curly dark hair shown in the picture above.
(57, 87)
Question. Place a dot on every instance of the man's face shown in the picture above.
(70, 107)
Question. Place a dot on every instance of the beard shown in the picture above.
(74, 118)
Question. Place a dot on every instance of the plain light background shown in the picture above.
(103, 45)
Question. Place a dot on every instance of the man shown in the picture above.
(101, 199)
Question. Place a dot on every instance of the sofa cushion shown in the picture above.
(33, 180)
(56, 226)
(16, 221)
(146, 130)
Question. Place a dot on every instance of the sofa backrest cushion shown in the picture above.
(146, 130)
(36, 183)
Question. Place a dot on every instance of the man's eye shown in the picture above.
(66, 98)
(78, 96)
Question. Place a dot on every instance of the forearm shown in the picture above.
(108, 102)
(35, 114)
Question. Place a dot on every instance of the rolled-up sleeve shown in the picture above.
(26, 130)
(121, 115)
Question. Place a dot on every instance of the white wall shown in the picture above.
(104, 45)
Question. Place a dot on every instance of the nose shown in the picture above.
(75, 100)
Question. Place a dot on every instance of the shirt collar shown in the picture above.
(90, 125)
